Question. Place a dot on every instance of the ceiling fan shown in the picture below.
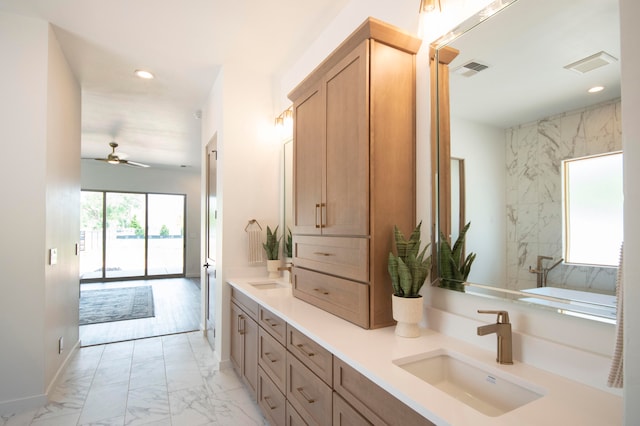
(113, 158)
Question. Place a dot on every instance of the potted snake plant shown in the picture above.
(408, 269)
(272, 249)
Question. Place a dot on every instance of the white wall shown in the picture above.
(629, 13)
(106, 177)
(62, 208)
(40, 122)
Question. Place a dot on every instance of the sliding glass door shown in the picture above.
(131, 235)
(166, 234)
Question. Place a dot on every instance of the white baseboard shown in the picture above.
(16, 406)
(62, 367)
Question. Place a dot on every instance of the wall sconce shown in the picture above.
(284, 122)
(427, 6)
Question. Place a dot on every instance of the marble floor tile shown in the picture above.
(146, 405)
(164, 381)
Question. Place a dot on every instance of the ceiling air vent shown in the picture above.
(590, 63)
(470, 68)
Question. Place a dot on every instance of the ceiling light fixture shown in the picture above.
(147, 75)
(596, 89)
(427, 6)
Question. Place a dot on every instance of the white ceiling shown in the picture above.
(184, 43)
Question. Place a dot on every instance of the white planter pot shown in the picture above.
(407, 311)
(272, 268)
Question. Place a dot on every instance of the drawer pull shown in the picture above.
(309, 400)
(271, 322)
(267, 355)
(301, 347)
(269, 404)
(324, 292)
(320, 253)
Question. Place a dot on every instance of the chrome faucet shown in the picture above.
(502, 328)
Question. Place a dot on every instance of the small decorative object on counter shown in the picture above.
(272, 248)
(409, 270)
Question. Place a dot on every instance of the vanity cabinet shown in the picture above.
(298, 382)
(354, 171)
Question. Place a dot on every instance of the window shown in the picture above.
(592, 207)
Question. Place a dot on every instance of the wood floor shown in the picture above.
(177, 310)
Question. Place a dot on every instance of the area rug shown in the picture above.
(115, 304)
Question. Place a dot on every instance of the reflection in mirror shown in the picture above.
(514, 103)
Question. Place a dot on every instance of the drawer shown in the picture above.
(371, 401)
(347, 299)
(271, 400)
(275, 325)
(310, 396)
(315, 357)
(346, 415)
(249, 305)
(272, 358)
(293, 418)
(343, 256)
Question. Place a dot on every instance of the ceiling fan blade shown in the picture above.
(133, 163)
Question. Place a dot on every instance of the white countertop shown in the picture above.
(371, 352)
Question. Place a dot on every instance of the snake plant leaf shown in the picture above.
(410, 268)
(272, 245)
(392, 267)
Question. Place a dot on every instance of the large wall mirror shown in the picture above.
(513, 105)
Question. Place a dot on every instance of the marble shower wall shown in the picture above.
(534, 217)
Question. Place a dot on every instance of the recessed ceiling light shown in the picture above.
(596, 89)
(144, 74)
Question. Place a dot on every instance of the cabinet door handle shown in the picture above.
(301, 347)
(321, 253)
(241, 324)
(309, 400)
(323, 217)
(324, 292)
(318, 223)
(269, 404)
(267, 355)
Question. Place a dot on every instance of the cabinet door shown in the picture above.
(250, 352)
(346, 194)
(308, 159)
(237, 343)
(244, 347)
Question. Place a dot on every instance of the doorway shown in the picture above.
(211, 218)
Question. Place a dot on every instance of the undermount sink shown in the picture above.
(479, 386)
(266, 285)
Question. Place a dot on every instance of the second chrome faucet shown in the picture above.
(502, 328)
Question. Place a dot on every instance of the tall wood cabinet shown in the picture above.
(354, 172)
